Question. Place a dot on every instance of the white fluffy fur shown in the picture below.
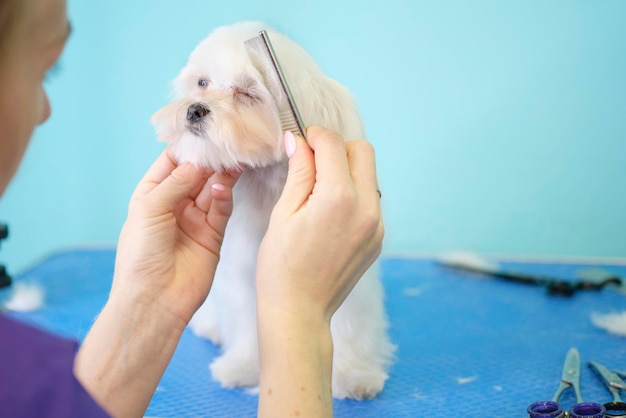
(614, 323)
(25, 298)
(243, 128)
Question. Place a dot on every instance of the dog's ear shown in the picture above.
(325, 102)
(331, 105)
(321, 100)
(164, 122)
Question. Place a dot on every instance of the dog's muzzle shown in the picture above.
(196, 112)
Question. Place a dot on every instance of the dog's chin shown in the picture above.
(196, 131)
(192, 146)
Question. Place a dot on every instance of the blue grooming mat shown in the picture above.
(468, 346)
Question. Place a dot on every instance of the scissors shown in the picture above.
(617, 408)
(569, 379)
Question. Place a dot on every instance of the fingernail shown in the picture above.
(290, 143)
(218, 187)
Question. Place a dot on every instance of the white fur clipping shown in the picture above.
(614, 323)
(466, 261)
(25, 298)
(412, 292)
(466, 380)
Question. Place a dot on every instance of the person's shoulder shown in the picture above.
(21, 337)
(37, 376)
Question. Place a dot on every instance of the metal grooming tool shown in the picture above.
(614, 383)
(570, 378)
(264, 59)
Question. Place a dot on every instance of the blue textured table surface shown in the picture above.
(467, 346)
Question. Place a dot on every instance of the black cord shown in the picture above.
(5, 279)
(554, 286)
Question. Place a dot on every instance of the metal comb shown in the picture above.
(264, 59)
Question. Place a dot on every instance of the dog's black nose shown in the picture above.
(196, 112)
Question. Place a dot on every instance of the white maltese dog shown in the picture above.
(224, 117)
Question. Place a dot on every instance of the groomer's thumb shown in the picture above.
(177, 186)
(301, 174)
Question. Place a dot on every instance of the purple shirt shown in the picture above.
(36, 375)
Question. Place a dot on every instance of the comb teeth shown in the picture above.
(265, 61)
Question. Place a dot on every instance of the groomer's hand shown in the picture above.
(166, 259)
(170, 244)
(325, 231)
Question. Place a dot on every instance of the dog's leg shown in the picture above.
(235, 295)
(235, 288)
(362, 350)
(239, 363)
(205, 321)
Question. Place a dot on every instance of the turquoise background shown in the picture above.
(500, 126)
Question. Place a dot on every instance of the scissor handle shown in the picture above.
(545, 409)
(615, 409)
(562, 387)
(565, 385)
(587, 410)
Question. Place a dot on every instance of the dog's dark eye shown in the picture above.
(203, 83)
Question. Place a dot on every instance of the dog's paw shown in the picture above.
(234, 371)
(359, 384)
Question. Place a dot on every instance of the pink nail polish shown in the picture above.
(290, 143)
(218, 187)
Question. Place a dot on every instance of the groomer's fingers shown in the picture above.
(177, 186)
(300, 177)
(221, 206)
(159, 170)
(330, 156)
(212, 188)
(222, 199)
(362, 163)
